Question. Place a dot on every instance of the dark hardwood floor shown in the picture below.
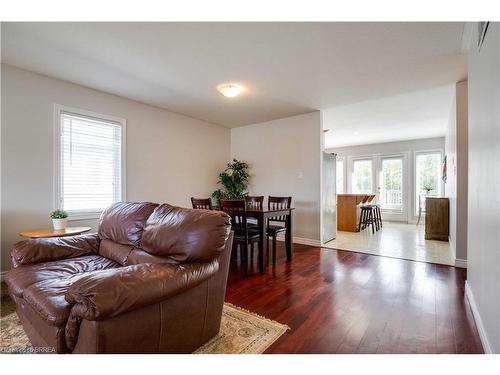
(344, 302)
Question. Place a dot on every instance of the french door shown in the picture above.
(392, 186)
(386, 176)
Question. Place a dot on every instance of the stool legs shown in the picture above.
(361, 220)
(371, 220)
(379, 216)
(370, 216)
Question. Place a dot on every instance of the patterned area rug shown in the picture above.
(242, 332)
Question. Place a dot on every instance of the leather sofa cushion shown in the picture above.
(18, 279)
(123, 222)
(46, 298)
(139, 256)
(186, 235)
(115, 251)
(39, 332)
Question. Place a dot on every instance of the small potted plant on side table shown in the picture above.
(59, 219)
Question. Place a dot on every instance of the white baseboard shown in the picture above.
(461, 263)
(306, 241)
(302, 241)
(477, 318)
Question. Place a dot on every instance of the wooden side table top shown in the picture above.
(46, 233)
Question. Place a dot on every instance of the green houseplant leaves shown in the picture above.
(234, 181)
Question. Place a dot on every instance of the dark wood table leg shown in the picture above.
(261, 221)
(288, 236)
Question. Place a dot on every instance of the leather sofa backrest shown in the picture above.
(123, 222)
(185, 235)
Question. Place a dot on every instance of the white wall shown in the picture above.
(403, 147)
(450, 187)
(483, 274)
(285, 160)
(169, 157)
(456, 184)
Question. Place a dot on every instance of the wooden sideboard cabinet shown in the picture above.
(437, 218)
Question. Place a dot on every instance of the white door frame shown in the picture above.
(376, 160)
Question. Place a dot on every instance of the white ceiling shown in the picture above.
(287, 68)
(420, 114)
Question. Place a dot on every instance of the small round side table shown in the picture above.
(47, 233)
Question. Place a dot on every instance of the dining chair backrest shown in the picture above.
(202, 203)
(236, 209)
(279, 203)
(256, 201)
(371, 198)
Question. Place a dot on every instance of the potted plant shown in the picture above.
(428, 188)
(59, 219)
(234, 181)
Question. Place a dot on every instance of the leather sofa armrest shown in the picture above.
(49, 249)
(108, 293)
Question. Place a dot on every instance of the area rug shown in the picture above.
(242, 332)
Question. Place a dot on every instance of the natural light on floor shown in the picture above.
(398, 240)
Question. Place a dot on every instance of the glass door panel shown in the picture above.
(391, 184)
(362, 176)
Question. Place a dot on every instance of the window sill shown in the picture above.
(83, 216)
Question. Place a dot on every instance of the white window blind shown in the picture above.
(90, 171)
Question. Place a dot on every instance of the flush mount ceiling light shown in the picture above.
(230, 90)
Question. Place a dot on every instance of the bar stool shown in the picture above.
(370, 214)
(364, 213)
(376, 212)
(366, 218)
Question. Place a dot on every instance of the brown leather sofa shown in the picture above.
(152, 280)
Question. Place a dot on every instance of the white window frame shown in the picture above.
(414, 179)
(58, 110)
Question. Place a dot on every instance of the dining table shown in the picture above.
(263, 215)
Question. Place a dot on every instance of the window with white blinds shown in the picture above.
(90, 162)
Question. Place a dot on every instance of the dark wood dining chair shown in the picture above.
(202, 203)
(277, 203)
(254, 202)
(243, 235)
